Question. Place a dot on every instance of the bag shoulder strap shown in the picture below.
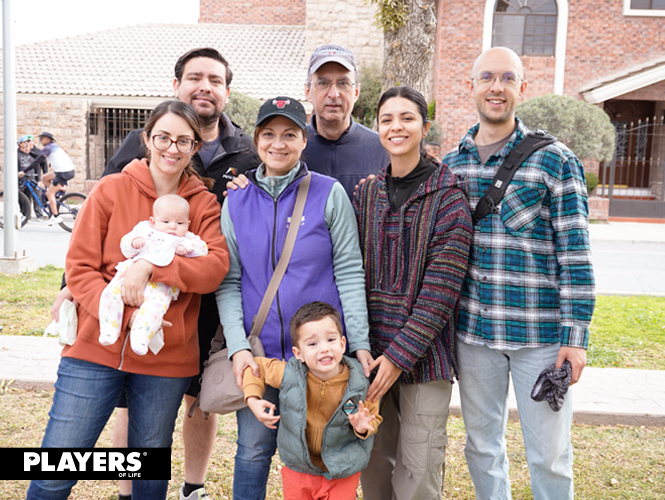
(260, 318)
(532, 142)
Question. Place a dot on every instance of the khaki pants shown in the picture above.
(407, 461)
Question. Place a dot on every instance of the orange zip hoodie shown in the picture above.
(116, 204)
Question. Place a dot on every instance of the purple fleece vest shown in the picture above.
(261, 224)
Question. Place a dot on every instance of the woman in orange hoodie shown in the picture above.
(90, 375)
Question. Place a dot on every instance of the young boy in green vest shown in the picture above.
(326, 436)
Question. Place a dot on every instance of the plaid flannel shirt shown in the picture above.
(530, 280)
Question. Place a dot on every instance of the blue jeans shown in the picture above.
(483, 382)
(256, 447)
(84, 399)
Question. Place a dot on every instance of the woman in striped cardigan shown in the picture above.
(415, 232)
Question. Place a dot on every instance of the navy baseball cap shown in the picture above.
(283, 106)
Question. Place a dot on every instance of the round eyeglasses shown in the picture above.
(509, 79)
(182, 144)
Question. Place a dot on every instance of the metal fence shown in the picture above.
(633, 180)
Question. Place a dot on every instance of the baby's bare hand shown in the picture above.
(138, 242)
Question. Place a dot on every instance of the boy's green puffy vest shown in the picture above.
(342, 451)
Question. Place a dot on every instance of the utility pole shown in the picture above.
(10, 263)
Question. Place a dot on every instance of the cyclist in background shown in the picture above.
(35, 152)
(24, 157)
(63, 171)
(27, 169)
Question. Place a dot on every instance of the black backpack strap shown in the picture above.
(532, 142)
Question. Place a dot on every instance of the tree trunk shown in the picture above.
(409, 50)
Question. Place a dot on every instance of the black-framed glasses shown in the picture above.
(324, 85)
(509, 79)
(182, 144)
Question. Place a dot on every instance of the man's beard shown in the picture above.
(208, 115)
(209, 119)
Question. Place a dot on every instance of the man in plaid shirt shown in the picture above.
(529, 293)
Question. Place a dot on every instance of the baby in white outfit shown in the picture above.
(156, 240)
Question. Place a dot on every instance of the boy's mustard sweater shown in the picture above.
(323, 398)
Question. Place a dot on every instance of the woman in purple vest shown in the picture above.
(415, 232)
(326, 265)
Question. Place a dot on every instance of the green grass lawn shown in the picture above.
(616, 462)
(26, 299)
(626, 332)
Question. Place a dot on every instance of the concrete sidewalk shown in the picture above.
(604, 396)
(627, 232)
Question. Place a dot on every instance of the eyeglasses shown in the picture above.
(324, 85)
(182, 144)
(509, 79)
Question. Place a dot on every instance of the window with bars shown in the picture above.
(526, 26)
(108, 127)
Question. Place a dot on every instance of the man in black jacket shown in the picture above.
(202, 79)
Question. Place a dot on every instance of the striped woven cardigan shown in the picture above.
(415, 261)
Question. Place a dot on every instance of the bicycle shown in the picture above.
(69, 204)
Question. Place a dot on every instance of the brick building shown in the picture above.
(582, 48)
(608, 52)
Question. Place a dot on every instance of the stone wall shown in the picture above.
(348, 23)
(275, 12)
(65, 119)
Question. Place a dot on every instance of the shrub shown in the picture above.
(434, 133)
(591, 181)
(431, 110)
(584, 128)
(364, 110)
(242, 110)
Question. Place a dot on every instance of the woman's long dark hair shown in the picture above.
(187, 113)
(415, 97)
